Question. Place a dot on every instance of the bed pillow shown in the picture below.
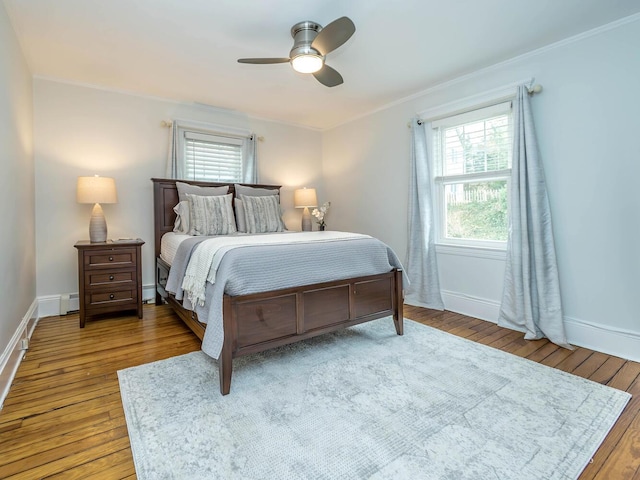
(211, 215)
(184, 188)
(181, 225)
(262, 214)
(240, 218)
(239, 209)
(251, 192)
(255, 191)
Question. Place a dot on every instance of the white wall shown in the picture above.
(587, 124)
(85, 131)
(17, 234)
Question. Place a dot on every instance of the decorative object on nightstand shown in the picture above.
(319, 213)
(109, 277)
(97, 190)
(305, 198)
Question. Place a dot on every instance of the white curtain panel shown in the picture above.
(422, 264)
(174, 167)
(250, 160)
(531, 296)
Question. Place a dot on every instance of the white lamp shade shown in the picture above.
(305, 197)
(96, 190)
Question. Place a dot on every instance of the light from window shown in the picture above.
(476, 211)
(473, 161)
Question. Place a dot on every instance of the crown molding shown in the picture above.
(496, 66)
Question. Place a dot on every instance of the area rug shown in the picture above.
(365, 403)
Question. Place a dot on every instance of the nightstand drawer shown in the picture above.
(111, 279)
(116, 297)
(122, 257)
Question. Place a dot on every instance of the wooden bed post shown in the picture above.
(225, 361)
(398, 313)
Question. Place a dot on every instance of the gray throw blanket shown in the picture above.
(262, 268)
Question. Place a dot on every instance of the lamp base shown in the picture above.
(306, 220)
(97, 225)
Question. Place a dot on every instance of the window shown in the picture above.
(210, 156)
(472, 153)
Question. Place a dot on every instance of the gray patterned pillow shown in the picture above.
(211, 215)
(262, 214)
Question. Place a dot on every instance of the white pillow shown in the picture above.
(184, 188)
(262, 214)
(181, 225)
(211, 215)
(254, 191)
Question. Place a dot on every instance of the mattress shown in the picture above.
(169, 245)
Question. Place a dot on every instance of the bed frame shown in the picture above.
(257, 322)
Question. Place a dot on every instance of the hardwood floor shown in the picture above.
(63, 417)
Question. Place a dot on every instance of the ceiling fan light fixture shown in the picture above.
(307, 63)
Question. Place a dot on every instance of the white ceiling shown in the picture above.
(186, 50)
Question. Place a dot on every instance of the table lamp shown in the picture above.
(305, 198)
(97, 190)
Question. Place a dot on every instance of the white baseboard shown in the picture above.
(605, 339)
(13, 354)
(602, 338)
(52, 305)
(49, 305)
(476, 307)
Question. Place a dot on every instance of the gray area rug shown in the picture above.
(364, 403)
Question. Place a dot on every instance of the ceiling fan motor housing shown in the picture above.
(303, 34)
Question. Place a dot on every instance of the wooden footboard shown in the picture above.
(253, 323)
(257, 322)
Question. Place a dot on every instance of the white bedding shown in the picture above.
(169, 245)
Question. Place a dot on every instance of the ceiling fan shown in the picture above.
(311, 43)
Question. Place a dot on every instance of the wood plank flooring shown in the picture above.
(63, 417)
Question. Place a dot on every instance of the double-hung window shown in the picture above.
(472, 153)
(211, 156)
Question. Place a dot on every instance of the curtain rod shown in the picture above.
(537, 88)
(169, 124)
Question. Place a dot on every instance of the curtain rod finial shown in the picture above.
(537, 88)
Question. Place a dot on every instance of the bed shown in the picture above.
(261, 320)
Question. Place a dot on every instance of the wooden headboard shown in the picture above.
(165, 197)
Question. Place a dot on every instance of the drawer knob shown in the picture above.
(112, 296)
(110, 277)
(111, 259)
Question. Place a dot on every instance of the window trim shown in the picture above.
(440, 181)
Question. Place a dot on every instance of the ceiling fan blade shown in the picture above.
(328, 76)
(263, 61)
(334, 35)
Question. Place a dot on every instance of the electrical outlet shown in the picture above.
(24, 344)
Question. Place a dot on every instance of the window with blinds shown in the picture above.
(212, 158)
(473, 167)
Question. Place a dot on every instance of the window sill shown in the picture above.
(469, 251)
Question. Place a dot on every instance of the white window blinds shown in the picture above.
(476, 142)
(212, 158)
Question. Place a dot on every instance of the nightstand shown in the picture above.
(109, 277)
